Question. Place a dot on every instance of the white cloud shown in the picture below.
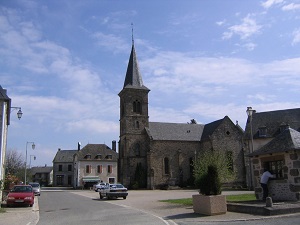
(291, 6)
(111, 42)
(269, 3)
(247, 28)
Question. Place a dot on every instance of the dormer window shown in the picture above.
(137, 108)
(262, 131)
(88, 157)
(108, 157)
(99, 156)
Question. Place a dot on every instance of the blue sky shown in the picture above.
(64, 63)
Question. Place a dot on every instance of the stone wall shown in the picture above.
(283, 189)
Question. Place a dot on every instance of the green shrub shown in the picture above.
(210, 182)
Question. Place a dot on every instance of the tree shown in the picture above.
(212, 165)
(14, 164)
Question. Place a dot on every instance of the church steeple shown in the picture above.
(133, 76)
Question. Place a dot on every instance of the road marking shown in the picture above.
(167, 222)
(162, 219)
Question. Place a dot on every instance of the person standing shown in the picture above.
(264, 182)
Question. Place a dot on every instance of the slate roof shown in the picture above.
(42, 169)
(272, 121)
(210, 128)
(96, 149)
(174, 131)
(64, 156)
(133, 77)
(288, 140)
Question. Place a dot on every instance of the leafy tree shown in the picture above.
(14, 164)
(212, 164)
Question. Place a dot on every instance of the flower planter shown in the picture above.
(209, 205)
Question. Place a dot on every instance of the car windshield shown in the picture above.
(22, 189)
(116, 186)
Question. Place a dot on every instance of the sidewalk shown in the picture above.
(20, 215)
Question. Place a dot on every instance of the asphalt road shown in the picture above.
(141, 207)
(64, 208)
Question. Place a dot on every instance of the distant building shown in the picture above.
(276, 146)
(85, 167)
(42, 175)
(63, 168)
(95, 162)
(154, 154)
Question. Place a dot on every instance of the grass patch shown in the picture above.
(2, 210)
(229, 198)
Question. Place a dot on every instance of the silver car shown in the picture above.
(36, 188)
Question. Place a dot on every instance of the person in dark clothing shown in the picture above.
(264, 182)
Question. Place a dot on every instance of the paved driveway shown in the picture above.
(148, 201)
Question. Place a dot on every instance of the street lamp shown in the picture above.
(33, 147)
(250, 112)
(19, 113)
(34, 158)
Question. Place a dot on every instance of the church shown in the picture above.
(155, 155)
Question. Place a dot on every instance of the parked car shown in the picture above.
(36, 188)
(113, 191)
(20, 195)
(97, 187)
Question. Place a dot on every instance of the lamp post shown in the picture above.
(34, 158)
(250, 112)
(33, 147)
(19, 113)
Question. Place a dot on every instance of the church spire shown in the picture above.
(133, 76)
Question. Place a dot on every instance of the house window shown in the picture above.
(99, 156)
(137, 107)
(70, 180)
(166, 166)
(275, 167)
(60, 179)
(262, 131)
(88, 157)
(108, 157)
(137, 149)
(99, 169)
(88, 169)
(229, 159)
(59, 167)
(109, 169)
(69, 167)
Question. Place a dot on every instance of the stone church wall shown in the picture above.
(179, 154)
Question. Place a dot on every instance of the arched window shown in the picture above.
(137, 107)
(166, 166)
(137, 149)
(137, 124)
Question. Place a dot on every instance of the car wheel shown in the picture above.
(98, 189)
(30, 205)
(101, 197)
(124, 197)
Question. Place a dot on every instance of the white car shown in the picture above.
(97, 187)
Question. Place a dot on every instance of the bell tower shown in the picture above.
(133, 120)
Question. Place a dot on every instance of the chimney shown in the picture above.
(78, 146)
(114, 144)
